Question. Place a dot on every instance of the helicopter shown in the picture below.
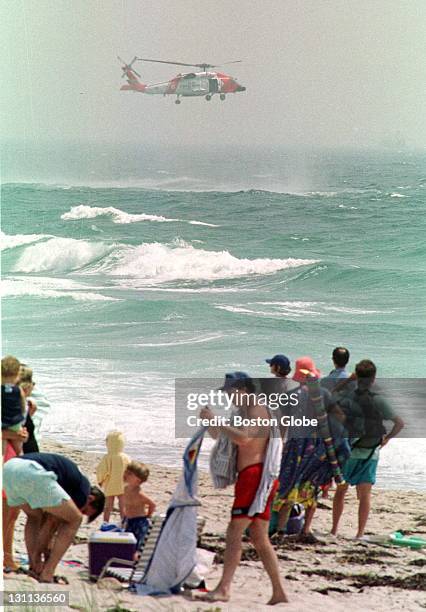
(207, 82)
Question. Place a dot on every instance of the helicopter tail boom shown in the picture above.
(133, 83)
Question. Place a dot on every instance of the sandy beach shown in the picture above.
(341, 574)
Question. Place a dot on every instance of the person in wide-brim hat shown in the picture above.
(304, 364)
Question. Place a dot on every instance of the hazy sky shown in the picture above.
(338, 72)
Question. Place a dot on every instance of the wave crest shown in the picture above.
(156, 262)
(10, 242)
(148, 263)
(60, 255)
(83, 211)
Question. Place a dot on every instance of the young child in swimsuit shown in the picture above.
(13, 405)
(138, 507)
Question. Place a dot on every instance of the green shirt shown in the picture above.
(388, 414)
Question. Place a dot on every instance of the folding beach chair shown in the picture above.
(168, 555)
(134, 571)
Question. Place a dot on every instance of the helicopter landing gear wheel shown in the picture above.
(177, 101)
(208, 97)
(222, 97)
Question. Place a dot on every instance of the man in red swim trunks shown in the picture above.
(252, 442)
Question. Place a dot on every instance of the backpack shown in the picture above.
(364, 419)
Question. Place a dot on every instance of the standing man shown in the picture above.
(54, 495)
(340, 358)
(369, 409)
(253, 495)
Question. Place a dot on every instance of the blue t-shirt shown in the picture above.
(69, 476)
(330, 381)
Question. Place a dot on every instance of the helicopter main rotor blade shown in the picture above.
(203, 66)
(144, 59)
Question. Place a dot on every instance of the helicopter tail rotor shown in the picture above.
(126, 67)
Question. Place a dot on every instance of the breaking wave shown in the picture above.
(159, 263)
(60, 255)
(120, 216)
(10, 242)
(148, 262)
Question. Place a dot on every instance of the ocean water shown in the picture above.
(124, 268)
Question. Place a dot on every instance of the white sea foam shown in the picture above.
(174, 316)
(191, 340)
(49, 288)
(295, 309)
(10, 242)
(60, 255)
(356, 311)
(155, 262)
(274, 313)
(118, 216)
(83, 211)
(195, 289)
(398, 195)
(148, 263)
(201, 223)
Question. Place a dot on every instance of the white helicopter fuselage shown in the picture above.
(190, 84)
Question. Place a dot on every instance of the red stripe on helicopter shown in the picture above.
(173, 85)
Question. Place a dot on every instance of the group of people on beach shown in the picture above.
(273, 471)
(344, 447)
(50, 488)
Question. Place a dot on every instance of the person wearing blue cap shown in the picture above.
(280, 384)
(280, 365)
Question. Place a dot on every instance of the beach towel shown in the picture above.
(43, 409)
(309, 463)
(175, 556)
(223, 460)
(271, 470)
(223, 466)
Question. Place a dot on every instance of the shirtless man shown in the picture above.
(252, 444)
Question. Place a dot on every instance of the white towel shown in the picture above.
(223, 466)
(223, 459)
(271, 470)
